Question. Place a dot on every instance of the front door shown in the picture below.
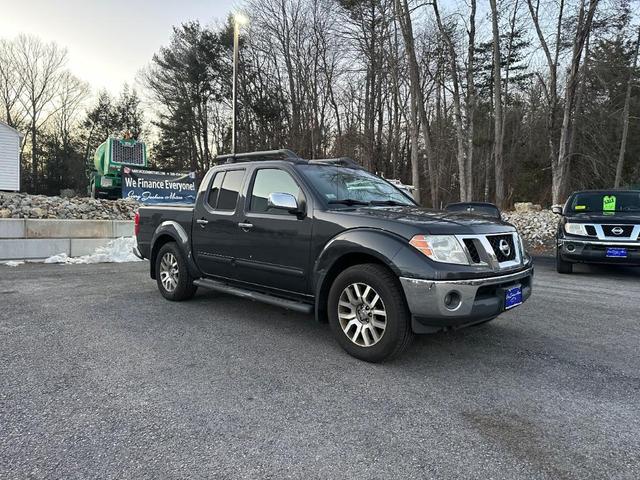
(215, 223)
(273, 247)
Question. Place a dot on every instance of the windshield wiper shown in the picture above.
(348, 201)
(391, 203)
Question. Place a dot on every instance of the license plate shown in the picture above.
(512, 297)
(616, 252)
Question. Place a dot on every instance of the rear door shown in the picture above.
(215, 223)
(273, 245)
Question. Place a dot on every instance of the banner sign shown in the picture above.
(149, 186)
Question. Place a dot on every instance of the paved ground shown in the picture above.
(101, 377)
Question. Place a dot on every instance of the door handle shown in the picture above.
(245, 226)
(202, 221)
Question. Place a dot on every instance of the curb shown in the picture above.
(35, 239)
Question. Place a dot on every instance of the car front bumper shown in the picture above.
(595, 251)
(476, 300)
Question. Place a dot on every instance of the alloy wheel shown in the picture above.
(169, 272)
(362, 314)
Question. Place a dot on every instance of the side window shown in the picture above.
(228, 195)
(212, 198)
(271, 180)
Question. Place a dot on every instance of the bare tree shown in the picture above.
(73, 92)
(41, 68)
(550, 86)
(417, 102)
(10, 85)
(497, 107)
(585, 19)
(465, 195)
(625, 114)
(471, 99)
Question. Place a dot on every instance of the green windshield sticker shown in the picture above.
(581, 207)
(609, 203)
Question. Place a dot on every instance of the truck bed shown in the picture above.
(154, 215)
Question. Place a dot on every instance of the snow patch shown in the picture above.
(116, 251)
(13, 263)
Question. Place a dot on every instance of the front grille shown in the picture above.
(127, 153)
(472, 249)
(626, 230)
(503, 254)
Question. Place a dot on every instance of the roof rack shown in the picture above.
(283, 154)
(340, 162)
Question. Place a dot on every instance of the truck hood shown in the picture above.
(615, 218)
(434, 222)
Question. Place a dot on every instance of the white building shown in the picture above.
(9, 158)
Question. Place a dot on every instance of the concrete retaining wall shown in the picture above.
(27, 239)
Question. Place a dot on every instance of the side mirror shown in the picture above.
(557, 209)
(283, 201)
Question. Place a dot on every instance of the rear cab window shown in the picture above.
(225, 190)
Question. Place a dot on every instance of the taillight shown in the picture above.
(136, 224)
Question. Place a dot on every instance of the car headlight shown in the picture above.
(440, 248)
(576, 229)
(523, 252)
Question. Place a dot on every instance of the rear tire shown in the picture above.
(563, 266)
(368, 313)
(172, 274)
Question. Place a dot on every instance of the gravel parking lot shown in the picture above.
(102, 378)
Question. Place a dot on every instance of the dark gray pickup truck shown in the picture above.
(329, 238)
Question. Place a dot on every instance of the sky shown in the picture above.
(108, 41)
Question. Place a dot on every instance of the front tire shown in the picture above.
(563, 266)
(368, 313)
(172, 274)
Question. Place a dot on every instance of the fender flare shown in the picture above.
(379, 244)
(172, 229)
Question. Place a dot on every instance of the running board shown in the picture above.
(251, 295)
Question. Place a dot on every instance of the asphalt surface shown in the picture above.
(102, 378)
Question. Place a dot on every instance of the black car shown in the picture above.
(599, 226)
(326, 236)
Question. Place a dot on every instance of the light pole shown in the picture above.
(238, 20)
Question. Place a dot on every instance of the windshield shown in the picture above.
(605, 202)
(348, 186)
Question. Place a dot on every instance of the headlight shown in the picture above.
(440, 248)
(523, 252)
(576, 229)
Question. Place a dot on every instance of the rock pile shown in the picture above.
(20, 205)
(537, 228)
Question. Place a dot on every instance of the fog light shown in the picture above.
(452, 300)
(571, 248)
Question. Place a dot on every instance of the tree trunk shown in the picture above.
(415, 159)
(416, 94)
(550, 88)
(34, 154)
(497, 106)
(559, 172)
(625, 116)
(471, 101)
(457, 108)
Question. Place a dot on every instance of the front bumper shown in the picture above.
(479, 299)
(595, 251)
